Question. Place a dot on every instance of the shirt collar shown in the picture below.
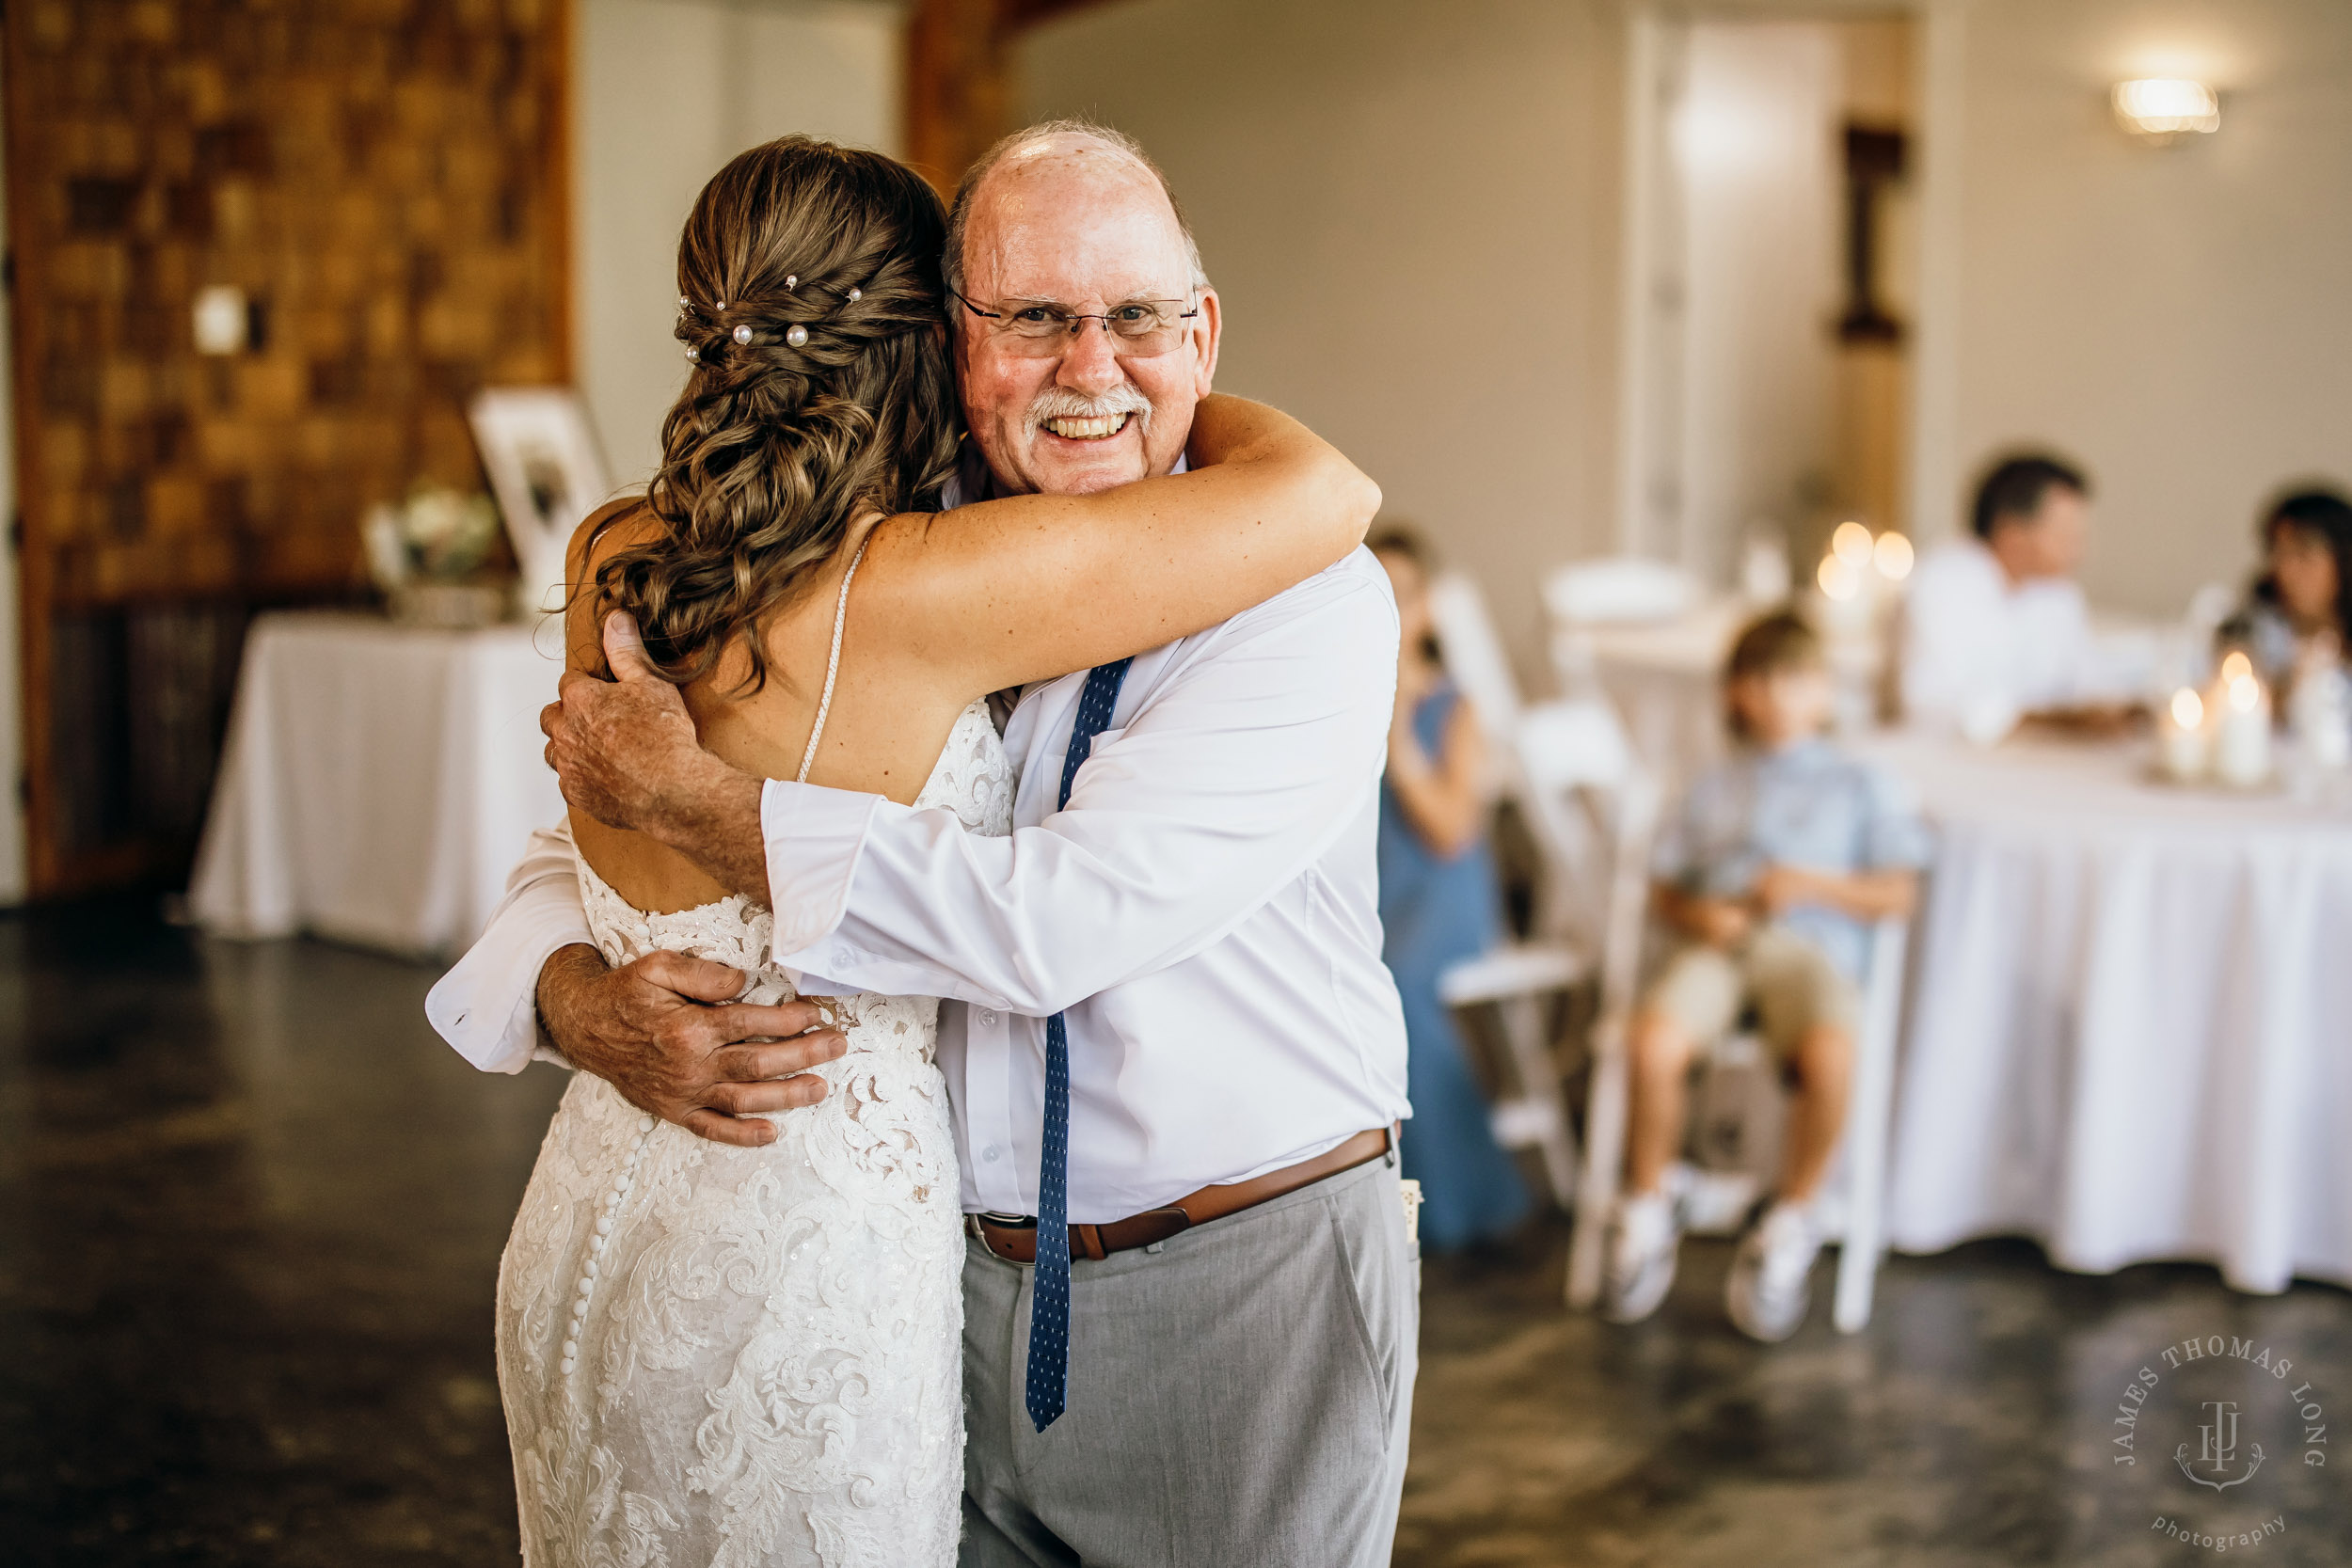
(1798, 754)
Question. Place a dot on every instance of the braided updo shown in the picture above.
(820, 391)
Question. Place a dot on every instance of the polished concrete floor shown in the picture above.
(251, 1212)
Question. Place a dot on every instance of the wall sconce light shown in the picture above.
(227, 321)
(2160, 110)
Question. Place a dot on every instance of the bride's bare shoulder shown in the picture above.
(614, 527)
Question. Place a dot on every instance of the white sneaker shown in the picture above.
(1768, 1291)
(1644, 1239)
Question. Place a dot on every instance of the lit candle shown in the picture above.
(1850, 604)
(1894, 556)
(2241, 751)
(2182, 747)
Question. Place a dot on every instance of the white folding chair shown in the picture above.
(1610, 591)
(1615, 590)
(1868, 1115)
(1569, 770)
(1855, 1203)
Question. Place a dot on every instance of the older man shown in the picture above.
(1241, 1302)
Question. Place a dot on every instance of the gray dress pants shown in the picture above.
(1240, 1395)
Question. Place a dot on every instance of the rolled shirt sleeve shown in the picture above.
(486, 1005)
(1241, 762)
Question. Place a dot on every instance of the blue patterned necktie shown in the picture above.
(1049, 1297)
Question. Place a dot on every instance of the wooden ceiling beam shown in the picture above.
(957, 85)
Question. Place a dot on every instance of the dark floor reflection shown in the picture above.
(250, 1213)
(1971, 1423)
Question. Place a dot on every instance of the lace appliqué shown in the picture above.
(731, 1356)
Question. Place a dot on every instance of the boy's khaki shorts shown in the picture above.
(1794, 985)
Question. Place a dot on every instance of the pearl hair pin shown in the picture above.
(742, 334)
(796, 334)
(791, 281)
(856, 294)
(693, 355)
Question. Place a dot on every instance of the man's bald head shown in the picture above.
(1060, 151)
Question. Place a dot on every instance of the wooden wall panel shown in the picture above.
(959, 94)
(384, 179)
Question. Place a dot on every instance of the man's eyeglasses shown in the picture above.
(1039, 329)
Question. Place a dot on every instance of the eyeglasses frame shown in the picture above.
(1075, 317)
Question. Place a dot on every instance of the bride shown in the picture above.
(718, 1354)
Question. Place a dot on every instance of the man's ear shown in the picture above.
(1208, 330)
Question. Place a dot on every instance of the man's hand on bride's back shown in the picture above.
(667, 1032)
(624, 750)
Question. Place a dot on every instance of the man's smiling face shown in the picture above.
(1072, 222)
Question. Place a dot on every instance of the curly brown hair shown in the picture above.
(776, 445)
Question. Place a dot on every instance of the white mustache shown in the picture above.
(1062, 403)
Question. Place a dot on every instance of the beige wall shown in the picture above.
(1409, 211)
(668, 91)
(2180, 319)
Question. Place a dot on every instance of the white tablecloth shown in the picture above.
(2130, 1018)
(378, 782)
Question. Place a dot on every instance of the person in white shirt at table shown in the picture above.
(1193, 905)
(1996, 630)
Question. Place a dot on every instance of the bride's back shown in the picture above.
(820, 398)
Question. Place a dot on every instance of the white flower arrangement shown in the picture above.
(435, 535)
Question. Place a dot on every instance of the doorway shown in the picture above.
(1770, 266)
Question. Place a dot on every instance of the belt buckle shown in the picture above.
(988, 1228)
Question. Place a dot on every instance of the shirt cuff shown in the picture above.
(813, 839)
(486, 1006)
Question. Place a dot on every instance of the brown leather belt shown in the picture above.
(1016, 1239)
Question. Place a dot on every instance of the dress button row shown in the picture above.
(589, 1268)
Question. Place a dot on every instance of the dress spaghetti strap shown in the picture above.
(832, 661)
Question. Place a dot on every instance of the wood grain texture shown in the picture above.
(383, 179)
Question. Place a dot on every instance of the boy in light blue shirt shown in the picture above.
(1771, 874)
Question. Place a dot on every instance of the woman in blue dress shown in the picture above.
(1438, 905)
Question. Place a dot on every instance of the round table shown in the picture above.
(2130, 1017)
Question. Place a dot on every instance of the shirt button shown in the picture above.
(988, 1019)
(990, 1153)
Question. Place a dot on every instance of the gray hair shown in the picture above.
(959, 215)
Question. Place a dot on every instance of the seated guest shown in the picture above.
(2298, 617)
(1996, 629)
(1769, 875)
(1438, 905)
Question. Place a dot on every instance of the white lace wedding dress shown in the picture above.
(728, 1356)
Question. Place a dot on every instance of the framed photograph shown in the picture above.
(547, 473)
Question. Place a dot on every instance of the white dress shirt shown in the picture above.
(1204, 912)
(1978, 650)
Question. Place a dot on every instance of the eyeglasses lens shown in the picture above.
(1141, 330)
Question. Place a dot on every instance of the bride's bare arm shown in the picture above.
(1004, 592)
